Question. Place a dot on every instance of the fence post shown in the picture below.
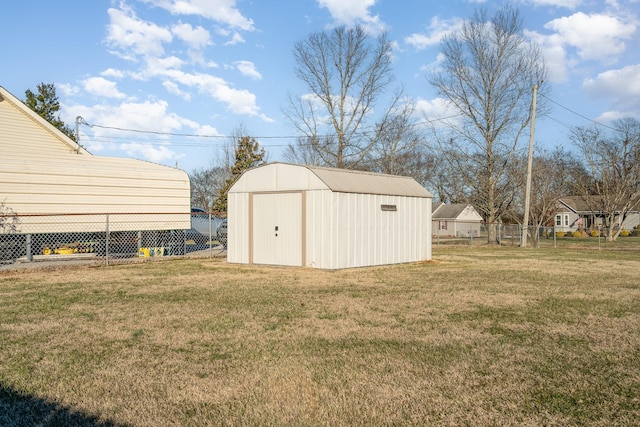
(210, 242)
(29, 248)
(106, 243)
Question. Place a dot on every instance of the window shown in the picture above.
(562, 220)
(443, 225)
(389, 208)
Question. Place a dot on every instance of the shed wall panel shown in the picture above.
(238, 227)
(351, 230)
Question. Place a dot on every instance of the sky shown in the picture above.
(169, 81)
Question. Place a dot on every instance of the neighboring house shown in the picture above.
(574, 214)
(54, 185)
(455, 220)
(285, 214)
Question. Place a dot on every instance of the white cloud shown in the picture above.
(152, 152)
(554, 53)
(112, 72)
(67, 89)
(132, 37)
(174, 89)
(196, 38)
(438, 111)
(222, 11)
(248, 68)
(153, 116)
(236, 38)
(582, 37)
(437, 30)
(349, 12)
(238, 101)
(102, 87)
(621, 87)
(597, 37)
(568, 4)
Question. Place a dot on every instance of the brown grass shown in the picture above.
(480, 336)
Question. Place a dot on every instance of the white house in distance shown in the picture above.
(456, 220)
(575, 214)
(55, 185)
(295, 215)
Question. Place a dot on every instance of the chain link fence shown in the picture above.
(476, 233)
(109, 237)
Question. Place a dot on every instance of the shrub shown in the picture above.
(595, 233)
(625, 233)
(559, 233)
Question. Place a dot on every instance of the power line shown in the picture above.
(580, 115)
(194, 135)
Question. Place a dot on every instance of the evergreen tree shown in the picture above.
(46, 104)
(248, 154)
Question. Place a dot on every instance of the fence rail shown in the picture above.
(125, 236)
(107, 237)
(468, 233)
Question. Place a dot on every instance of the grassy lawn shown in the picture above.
(480, 336)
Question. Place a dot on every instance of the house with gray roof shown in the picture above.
(455, 220)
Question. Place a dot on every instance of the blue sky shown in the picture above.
(205, 67)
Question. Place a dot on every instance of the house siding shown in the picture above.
(43, 172)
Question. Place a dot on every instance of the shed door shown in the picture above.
(277, 229)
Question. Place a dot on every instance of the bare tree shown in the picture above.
(345, 74)
(553, 175)
(305, 152)
(398, 143)
(487, 76)
(206, 184)
(613, 163)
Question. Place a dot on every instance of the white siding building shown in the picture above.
(285, 214)
(456, 220)
(44, 174)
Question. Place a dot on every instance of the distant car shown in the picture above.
(200, 222)
(221, 233)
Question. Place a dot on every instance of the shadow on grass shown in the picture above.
(22, 410)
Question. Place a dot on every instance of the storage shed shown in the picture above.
(295, 215)
(49, 180)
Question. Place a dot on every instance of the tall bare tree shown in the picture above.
(554, 174)
(487, 76)
(206, 184)
(613, 163)
(398, 144)
(346, 74)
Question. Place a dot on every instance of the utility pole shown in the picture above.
(527, 197)
(79, 120)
